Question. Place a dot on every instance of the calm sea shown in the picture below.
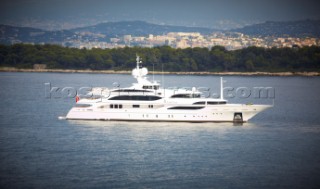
(279, 148)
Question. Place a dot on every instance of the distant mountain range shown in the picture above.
(99, 32)
(138, 28)
(304, 28)
(13, 34)
(105, 31)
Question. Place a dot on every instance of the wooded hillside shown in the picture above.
(190, 59)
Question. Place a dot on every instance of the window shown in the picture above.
(135, 106)
(82, 105)
(116, 106)
(155, 87)
(186, 96)
(150, 106)
(200, 102)
(181, 96)
(186, 108)
(135, 97)
(196, 95)
(130, 90)
(216, 102)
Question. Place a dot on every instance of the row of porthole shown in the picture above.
(199, 116)
(116, 106)
(146, 115)
(84, 110)
(171, 116)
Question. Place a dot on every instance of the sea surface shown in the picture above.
(279, 148)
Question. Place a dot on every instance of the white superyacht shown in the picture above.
(147, 101)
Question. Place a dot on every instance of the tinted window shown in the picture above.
(186, 108)
(130, 90)
(215, 103)
(201, 102)
(181, 96)
(135, 97)
(186, 96)
(82, 105)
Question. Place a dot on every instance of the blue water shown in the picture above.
(279, 148)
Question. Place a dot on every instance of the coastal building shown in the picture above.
(39, 66)
(231, 41)
(182, 44)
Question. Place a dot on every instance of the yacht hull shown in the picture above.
(223, 113)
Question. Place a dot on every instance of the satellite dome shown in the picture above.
(143, 71)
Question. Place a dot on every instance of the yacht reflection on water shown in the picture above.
(162, 126)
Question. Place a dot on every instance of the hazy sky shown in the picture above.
(208, 13)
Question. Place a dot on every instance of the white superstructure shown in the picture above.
(146, 101)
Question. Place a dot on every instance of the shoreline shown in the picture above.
(11, 69)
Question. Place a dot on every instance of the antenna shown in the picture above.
(138, 61)
(221, 88)
(153, 72)
(164, 90)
